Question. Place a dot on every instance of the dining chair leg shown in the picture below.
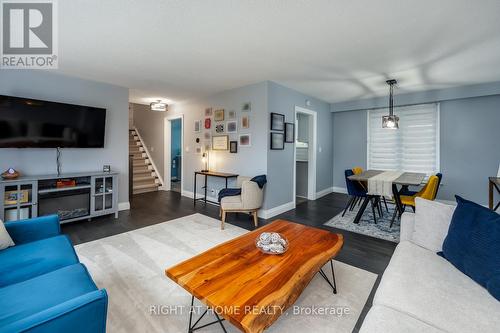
(348, 205)
(379, 207)
(385, 203)
(393, 217)
(373, 210)
(353, 204)
(413, 208)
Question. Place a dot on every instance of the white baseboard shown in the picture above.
(338, 189)
(189, 194)
(123, 206)
(324, 192)
(268, 213)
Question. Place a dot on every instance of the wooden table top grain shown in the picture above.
(407, 178)
(252, 288)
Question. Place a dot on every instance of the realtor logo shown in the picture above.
(29, 34)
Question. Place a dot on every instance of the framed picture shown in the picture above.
(219, 115)
(277, 141)
(207, 135)
(219, 128)
(208, 146)
(198, 150)
(277, 122)
(245, 122)
(233, 147)
(208, 112)
(231, 114)
(11, 197)
(246, 107)
(220, 142)
(208, 123)
(245, 140)
(232, 127)
(289, 132)
(197, 126)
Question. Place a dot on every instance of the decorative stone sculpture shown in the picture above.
(271, 243)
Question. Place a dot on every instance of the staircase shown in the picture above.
(144, 175)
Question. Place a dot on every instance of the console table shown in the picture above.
(207, 174)
(494, 182)
(86, 195)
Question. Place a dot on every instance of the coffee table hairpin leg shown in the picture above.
(193, 328)
(332, 284)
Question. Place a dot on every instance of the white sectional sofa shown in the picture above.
(422, 292)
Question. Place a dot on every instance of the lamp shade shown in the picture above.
(390, 122)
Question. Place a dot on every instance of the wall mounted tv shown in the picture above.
(31, 123)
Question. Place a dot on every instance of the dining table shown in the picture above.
(405, 179)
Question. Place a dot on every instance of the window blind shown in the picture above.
(414, 147)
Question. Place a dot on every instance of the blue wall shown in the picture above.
(280, 162)
(175, 151)
(469, 136)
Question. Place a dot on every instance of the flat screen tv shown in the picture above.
(31, 123)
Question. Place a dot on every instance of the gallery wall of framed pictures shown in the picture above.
(225, 130)
(281, 132)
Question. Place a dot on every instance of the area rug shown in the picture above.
(130, 266)
(367, 226)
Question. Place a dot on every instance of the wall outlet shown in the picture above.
(213, 192)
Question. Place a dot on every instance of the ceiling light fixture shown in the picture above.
(158, 106)
(391, 121)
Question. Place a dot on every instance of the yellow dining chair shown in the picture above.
(428, 192)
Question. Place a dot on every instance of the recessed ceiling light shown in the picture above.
(158, 106)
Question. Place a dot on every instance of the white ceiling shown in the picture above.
(336, 50)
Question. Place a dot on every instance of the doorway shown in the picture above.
(305, 155)
(173, 153)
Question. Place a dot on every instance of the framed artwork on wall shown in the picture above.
(231, 114)
(207, 135)
(232, 127)
(245, 140)
(197, 126)
(219, 128)
(208, 112)
(246, 107)
(277, 122)
(208, 123)
(220, 142)
(289, 132)
(219, 115)
(277, 141)
(233, 147)
(245, 122)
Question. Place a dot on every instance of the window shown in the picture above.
(414, 147)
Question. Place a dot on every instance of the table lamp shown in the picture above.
(204, 159)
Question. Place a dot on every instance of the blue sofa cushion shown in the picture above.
(24, 299)
(25, 261)
(473, 244)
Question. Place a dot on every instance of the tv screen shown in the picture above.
(31, 123)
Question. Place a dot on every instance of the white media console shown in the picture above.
(73, 197)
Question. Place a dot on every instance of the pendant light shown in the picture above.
(158, 106)
(391, 121)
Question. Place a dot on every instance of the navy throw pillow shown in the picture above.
(473, 244)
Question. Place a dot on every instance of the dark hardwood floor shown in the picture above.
(361, 251)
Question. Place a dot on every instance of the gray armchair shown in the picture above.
(249, 201)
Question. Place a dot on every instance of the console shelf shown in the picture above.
(94, 194)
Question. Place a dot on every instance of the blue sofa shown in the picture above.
(43, 286)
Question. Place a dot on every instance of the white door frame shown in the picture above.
(311, 165)
(167, 151)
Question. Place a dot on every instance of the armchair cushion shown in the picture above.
(25, 231)
(53, 302)
(231, 203)
(25, 261)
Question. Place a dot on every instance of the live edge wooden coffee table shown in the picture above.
(251, 289)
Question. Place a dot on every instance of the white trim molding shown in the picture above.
(123, 206)
(271, 212)
(324, 192)
(338, 189)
